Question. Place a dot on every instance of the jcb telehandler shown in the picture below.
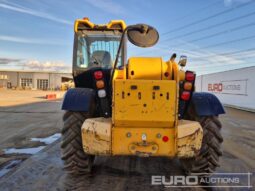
(142, 106)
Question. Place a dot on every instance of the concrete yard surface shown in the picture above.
(19, 97)
(21, 125)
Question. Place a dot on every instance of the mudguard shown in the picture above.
(79, 99)
(206, 104)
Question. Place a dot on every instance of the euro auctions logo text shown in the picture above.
(237, 180)
(174, 180)
(217, 87)
(237, 87)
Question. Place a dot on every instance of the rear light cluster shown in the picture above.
(100, 86)
(187, 86)
(186, 89)
(98, 75)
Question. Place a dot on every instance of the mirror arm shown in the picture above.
(142, 29)
(118, 54)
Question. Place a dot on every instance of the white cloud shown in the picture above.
(107, 6)
(36, 65)
(47, 66)
(20, 9)
(31, 40)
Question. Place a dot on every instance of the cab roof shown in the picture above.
(86, 24)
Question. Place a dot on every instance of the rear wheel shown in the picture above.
(206, 162)
(75, 160)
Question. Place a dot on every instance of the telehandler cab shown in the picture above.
(145, 106)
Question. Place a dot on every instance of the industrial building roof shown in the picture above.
(34, 71)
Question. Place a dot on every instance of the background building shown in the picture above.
(42, 80)
(234, 88)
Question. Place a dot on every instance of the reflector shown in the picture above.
(165, 138)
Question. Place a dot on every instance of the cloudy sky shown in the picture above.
(216, 35)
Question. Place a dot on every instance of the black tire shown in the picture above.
(75, 160)
(206, 162)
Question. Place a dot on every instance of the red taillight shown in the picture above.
(185, 95)
(98, 75)
(165, 138)
(166, 74)
(190, 76)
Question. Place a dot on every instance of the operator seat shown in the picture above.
(103, 57)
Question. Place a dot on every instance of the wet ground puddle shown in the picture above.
(12, 163)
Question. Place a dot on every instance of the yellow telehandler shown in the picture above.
(143, 106)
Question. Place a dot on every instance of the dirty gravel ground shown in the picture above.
(43, 171)
(25, 115)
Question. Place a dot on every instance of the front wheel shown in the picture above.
(206, 162)
(75, 160)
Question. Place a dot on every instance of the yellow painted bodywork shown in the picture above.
(167, 67)
(151, 69)
(112, 25)
(100, 137)
(145, 68)
(181, 75)
(134, 145)
(137, 104)
(119, 74)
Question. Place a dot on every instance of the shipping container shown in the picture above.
(234, 88)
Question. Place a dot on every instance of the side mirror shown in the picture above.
(183, 61)
(142, 35)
